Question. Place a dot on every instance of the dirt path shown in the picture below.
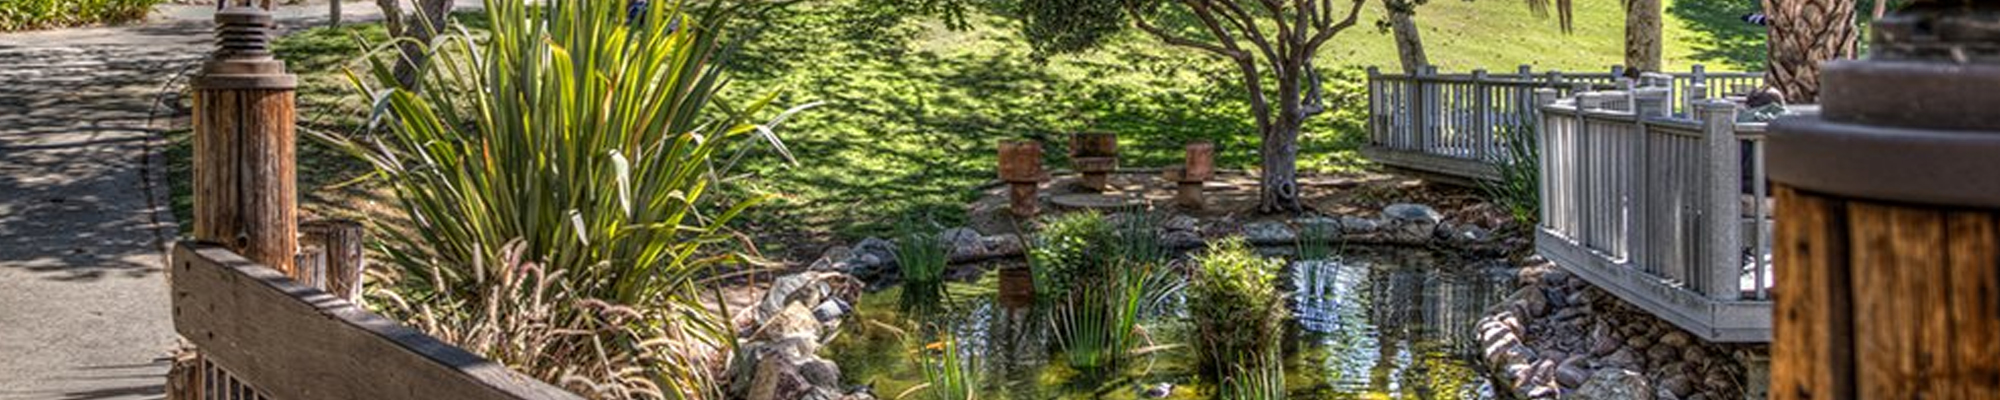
(83, 223)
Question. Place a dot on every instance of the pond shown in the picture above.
(1372, 323)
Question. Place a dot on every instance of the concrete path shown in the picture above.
(83, 223)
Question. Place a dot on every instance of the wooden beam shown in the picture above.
(291, 341)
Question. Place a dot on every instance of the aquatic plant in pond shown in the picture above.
(1235, 306)
(1069, 248)
(1316, 241)
(949, 373)
(920, 253)
(1097, 325)
(1378, 339)
(1263, 379)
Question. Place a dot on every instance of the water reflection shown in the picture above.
(1369, 325)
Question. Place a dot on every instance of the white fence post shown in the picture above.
(1375, 107)
(1722, 210)
(1424, 107)
(1543, 141)
(1482, 117)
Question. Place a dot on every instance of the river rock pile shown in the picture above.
(779, 355)
(1560, 337)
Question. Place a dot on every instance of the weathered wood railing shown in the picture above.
(263, 335)
(1455, 125)
(1669, 213)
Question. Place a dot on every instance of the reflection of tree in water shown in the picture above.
(1395, 326)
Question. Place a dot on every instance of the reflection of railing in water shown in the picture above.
(1398, 304)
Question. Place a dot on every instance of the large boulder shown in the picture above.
(1269, 233)
(1614, 384)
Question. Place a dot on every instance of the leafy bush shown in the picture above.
(1237, 310)
(1069, 248)
(40, 14)
(1519, 189)
(591, 140)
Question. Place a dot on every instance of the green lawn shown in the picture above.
(912, 110)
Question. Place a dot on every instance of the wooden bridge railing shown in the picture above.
(1455, 124)
(1669, 213)
(263, 335)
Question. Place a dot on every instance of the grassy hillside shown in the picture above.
(912, 110)
(1501, 35)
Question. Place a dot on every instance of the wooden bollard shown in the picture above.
(1189, 177)
(244, 194)
(1021, 168)
(331, 257)
(1095, 156)
(1888, 219)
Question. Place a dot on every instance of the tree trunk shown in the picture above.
(1409, 44)
(1280, 181)
(431, 15)
(1803, 34)
(1642, 37)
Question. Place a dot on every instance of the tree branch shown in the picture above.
(1140, 20)
(1327, 32)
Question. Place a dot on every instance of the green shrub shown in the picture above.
(1070, 247)
(594, 142)
(1520, 185)
(1237, 310)
(41, 14)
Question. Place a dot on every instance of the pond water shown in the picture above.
(1369, 324)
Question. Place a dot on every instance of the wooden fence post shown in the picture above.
(244, 194)
(1482, 117)
(1721, 208)
(243, 160)
(1421, 107)
(336, 247)
(1543, 98)
(1375, 108)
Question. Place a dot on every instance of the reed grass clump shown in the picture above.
(1520, 185)
(921, 254)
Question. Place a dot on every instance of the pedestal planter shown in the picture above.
(1021, 168)
(1888, 238)
(1190, 177)
(1095, 156)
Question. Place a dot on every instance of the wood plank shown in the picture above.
(1811, 355)
(1974, 252)
(295, 342)
(1901, 322)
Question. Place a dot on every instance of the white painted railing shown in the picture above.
(1669, 211)
(1455, 124)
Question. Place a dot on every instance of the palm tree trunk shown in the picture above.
(1409, 44)
(1642, 36)
(1803, 34)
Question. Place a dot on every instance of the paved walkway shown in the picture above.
(83, 296)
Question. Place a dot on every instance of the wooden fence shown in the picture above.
(263, 335)
(1456, 125)
(1669, 212)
